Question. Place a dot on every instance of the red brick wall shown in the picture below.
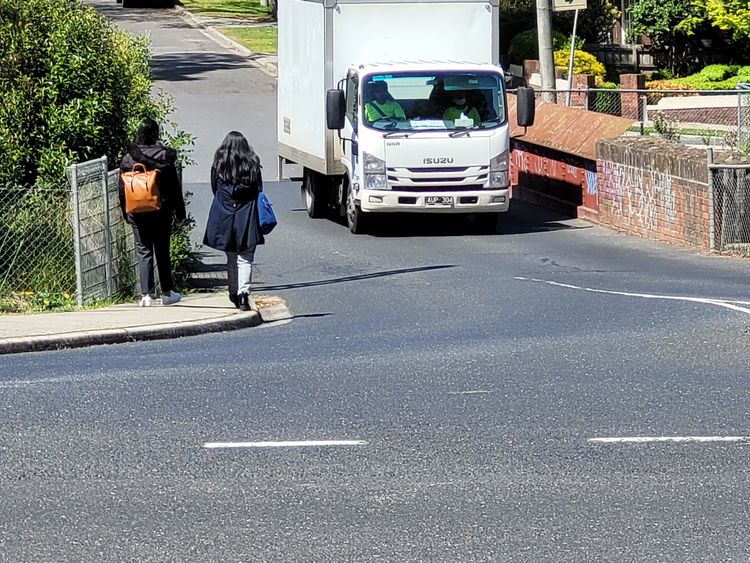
(654, 188)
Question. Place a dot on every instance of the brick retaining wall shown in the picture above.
(654, 188)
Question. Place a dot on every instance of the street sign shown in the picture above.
(563, 5)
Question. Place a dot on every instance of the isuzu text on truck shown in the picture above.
(395, 107)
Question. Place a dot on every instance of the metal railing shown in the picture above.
(708, 118)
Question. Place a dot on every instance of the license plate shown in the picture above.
(438, 201)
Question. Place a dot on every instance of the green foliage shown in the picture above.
(182, 252)
(717, 73)
(662, 74)
(712, 77)
(660, 19)
(583, 63)
(727, 15)
(594, 23)
(73, 88)
(525, 45)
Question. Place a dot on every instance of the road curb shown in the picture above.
(262, 62)
(80, 339)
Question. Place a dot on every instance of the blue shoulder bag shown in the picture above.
(266, 216)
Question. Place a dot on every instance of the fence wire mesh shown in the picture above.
(743, 117)
(731, 207)
(104, 246)
(37, 259)
(707, 118)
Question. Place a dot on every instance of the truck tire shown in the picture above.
(487, 222)
(355, 218)
(315, 204)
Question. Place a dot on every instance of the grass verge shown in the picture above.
(259, 39)
(245, 9)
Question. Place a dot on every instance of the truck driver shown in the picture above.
(382, 106)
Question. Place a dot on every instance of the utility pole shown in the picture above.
(546, 55)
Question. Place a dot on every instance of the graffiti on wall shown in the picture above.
(639, 195)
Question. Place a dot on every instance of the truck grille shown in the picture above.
(438, 179)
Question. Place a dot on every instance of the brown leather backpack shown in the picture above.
(141, 189)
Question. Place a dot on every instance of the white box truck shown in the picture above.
(394, 106)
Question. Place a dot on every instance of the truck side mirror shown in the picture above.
(525, 106)
(335, 109)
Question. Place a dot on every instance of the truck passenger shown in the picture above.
(459, 109)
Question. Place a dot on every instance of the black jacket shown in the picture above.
(233, 218)
(163, 159)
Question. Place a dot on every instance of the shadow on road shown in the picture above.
(173, 67)
(521, 219)
(345, 279)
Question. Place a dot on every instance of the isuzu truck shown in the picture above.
(395, 106)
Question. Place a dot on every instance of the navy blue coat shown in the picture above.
(233, 218)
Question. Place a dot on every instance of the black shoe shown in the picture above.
(244, 301)
(234, 300)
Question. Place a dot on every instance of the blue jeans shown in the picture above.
(240, 270)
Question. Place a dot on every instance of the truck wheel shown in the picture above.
(314, 204)
(487, 222)
(354, 217)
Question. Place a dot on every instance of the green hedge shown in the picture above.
(72, 88)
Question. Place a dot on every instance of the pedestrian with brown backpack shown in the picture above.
(151, 199)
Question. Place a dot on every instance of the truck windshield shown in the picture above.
(446, 101)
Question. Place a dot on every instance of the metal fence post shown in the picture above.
(711, 200)
(73, 180)
(104, 169)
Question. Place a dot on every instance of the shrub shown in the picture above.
(525, 45)
(583, 63)
(717, 73)
(73, 88)
(743, 73)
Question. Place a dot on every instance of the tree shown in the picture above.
(727, 15)
(72, 88)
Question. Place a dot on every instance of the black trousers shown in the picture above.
(152, 232)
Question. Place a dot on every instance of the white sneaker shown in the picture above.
(171, 298)
(145, 301)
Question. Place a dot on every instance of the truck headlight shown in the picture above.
(375, 176)
(499, 171)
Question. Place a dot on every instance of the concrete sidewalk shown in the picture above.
(195, 314)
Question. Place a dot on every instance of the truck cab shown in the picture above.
(424, 138)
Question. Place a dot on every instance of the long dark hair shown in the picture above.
(235, 161)
(148, 132)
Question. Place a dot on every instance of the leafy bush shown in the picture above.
(717, 73)
(743, 73)
(583, 63)
(525, 45)
(662, 74)
(73, 88)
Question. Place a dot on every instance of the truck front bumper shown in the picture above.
(476, 201)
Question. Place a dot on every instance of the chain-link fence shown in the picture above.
(743, 116)
(105, 255)
(708, 118)
(37, 262)
(66, 246)
(729, 206)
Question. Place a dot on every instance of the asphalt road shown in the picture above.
(472, 372)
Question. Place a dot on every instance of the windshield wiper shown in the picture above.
(394, 133)
(461, 132)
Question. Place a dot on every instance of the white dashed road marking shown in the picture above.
(676, 439)
(289, 444)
